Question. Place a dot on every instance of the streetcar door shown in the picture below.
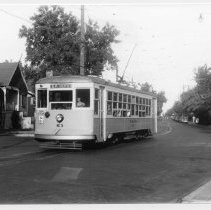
(102, 112)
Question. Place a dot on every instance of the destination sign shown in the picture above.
(61, 86)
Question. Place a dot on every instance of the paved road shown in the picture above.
(159, 170)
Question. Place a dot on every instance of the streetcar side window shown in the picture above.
(82, 97)
(96, 102)
(109, 102)
(149, 110)
(150, 102)
(115, 104)
(148, 107)
(42, 98)
(115, 95)
(129, 99)
(137, 110)
(133, 101)
(109, 96)
(109, 108)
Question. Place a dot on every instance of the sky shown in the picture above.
(171, 39)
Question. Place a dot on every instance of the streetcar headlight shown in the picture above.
(59, 118)
(47, 114)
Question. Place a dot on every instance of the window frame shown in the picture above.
(96, 100)
(109, 103)
(75, 98)
(37, 99)
(59, 102)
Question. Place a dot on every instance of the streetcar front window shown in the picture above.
(42, 98)
(60, 95)
(61, 99)
(82, 97)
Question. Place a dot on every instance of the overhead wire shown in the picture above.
(16, 16)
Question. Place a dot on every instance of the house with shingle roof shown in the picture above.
(13, 93)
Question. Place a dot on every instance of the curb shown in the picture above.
(166, 128)
(199, 125)
(18, 133)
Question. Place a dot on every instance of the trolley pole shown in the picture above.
(82, 72)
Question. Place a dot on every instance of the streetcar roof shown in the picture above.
(87, 79)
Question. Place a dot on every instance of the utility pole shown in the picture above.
(117, 74)
(82, 72)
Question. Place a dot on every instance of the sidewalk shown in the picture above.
(200, 195)
(207, 127)
(7, 139)
(12, 132)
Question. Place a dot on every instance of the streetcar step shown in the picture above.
(61, 145)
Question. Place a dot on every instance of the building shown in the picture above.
(14, 94)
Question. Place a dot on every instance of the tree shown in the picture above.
(161, 99)
(99, 53)
(203, 80)
(53, 43)
(146, 87)
(196, 101)
(203, 88)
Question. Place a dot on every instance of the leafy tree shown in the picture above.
(203, 80)
(161, 99)
(146, 87)
(203, 87)
(99, 53)
(53, 43)
(178, 108)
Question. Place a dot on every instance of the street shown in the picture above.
(161, 169)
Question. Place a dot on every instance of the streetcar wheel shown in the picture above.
(115, 139)
(147, 133)
(139, 136)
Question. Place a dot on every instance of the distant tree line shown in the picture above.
(196, 101)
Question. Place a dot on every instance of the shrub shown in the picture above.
(16, 120)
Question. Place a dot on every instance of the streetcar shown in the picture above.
(75, 110)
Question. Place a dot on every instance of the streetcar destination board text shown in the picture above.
(61, 86)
